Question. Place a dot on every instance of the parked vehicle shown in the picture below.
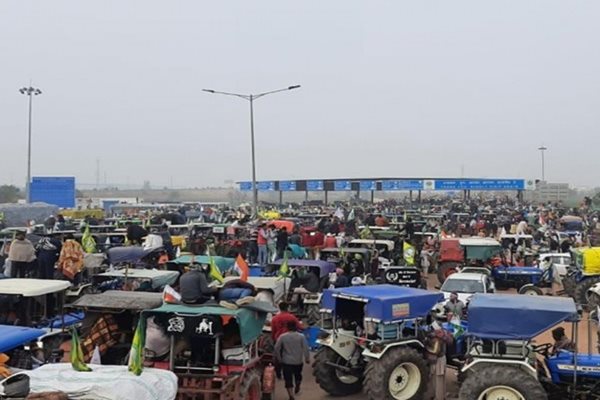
(376, 341)
(466, 284)
(455, 253)
(222, 357)
(502, 357)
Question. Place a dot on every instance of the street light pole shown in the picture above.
(251, 98)
(29, 91)
(542, 149)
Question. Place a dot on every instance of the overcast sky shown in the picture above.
(398, 88)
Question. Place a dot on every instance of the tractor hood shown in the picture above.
(493, 316)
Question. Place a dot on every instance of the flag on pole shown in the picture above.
(87, 241)
(241, 267)
(215, 273)
(136, 354)
(409, 254)
(77, 354)
(351, 215)
(284, 270)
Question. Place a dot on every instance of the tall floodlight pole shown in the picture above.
(29, 91)
(542, 149)
(251, 98)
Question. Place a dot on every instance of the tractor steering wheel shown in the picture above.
(543, 349)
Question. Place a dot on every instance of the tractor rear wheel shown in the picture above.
(250, 388)
(501, 382)
(581, 296)
(445, 269)
(334, 381)
(569, 284)
(313, 314)
(400, 374)
(530, 290)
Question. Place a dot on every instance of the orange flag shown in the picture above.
(241, 267)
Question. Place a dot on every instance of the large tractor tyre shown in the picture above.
(332, 380)
(401, 374)
(445, 269)
(266, 345)
(313, 314)
(250, 387)
(580, 295)
(501, 382)
(569, 284)
(593, 300)
(531, 290)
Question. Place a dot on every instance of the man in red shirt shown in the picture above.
(279, 326)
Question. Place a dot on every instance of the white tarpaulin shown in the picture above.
(105, 382)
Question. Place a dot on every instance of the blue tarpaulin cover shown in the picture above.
(386, 303)
(506, 316)
(14, 336)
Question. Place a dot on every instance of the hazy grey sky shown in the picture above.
(392, 88)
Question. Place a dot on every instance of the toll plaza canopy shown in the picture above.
(389, 184)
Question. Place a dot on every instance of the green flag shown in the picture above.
(87, 241)
(284, 270)
(77, 354)
(136, 354)
(215, 272)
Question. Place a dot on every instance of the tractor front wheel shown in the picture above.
(501, 382)
(401, 374)
(530, 290)
(446, 269)
(332, 380)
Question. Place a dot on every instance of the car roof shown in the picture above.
(471, 276)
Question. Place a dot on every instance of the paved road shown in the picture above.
(311, 391)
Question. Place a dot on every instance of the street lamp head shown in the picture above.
(293, 87)
(208, 90)
(23, 90)
(37, 91)
(542, 148)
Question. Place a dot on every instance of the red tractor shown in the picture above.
(456, 253)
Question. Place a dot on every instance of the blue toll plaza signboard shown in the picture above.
(287, 186)
(58, 191)
(368, 185)
(246, 186)
(480, 184)
(342, 185)
(315, 186)
(402, 185)
(266, 186)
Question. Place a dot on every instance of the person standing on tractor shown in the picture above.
(290, 350)
(454, 307)
(282, 242)
(21, 255)
(261, 241)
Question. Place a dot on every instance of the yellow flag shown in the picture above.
(409, 254)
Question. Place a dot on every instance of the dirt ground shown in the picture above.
(311, 391)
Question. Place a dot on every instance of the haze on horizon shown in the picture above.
(392, 88)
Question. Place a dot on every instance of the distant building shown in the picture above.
(553, 192)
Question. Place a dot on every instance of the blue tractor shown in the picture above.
(502, 360)
(527, 280)
(377, 342)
